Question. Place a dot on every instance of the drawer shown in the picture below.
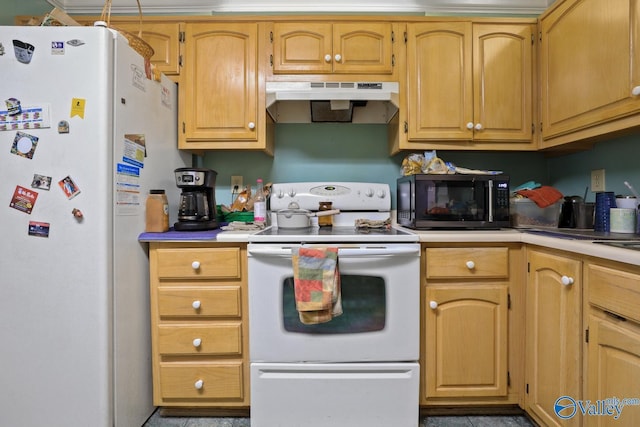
(614, 290)
(221, 301)
(199, 263)
(221, 380)
(212, 339)
(472, 263)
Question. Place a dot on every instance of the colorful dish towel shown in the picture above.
(316, 281)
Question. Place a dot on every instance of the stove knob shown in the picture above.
(292, 193)
(369, 192)
(382, 194)
(280, 194)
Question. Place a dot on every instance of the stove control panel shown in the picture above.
(346, 196)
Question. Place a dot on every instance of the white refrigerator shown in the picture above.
(84, 136)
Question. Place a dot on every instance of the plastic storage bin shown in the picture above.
(525, 213)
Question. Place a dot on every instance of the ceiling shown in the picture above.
(508, 7)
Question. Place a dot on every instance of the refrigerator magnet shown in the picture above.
(23, 51)
(41, 182)
(39, 229)
(23, 199)
(77, 107)
(69, 187)
(24, 145)
(77, 213)
(13, 106)
(63, 126)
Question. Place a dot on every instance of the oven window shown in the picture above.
(451, 200)
(363, 307)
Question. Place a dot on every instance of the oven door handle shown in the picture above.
(345, 252)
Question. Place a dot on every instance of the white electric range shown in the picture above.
(360, 368)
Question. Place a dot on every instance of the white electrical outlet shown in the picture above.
(236, 183)
(597, 180)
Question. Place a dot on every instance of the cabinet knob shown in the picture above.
(566, 280)
(433, 305)
(327, 58)
(251, 125)
(195, 265)
(338, 57)
(199, 384)
(470, 265)
(478, 126)
(197, 342)
(470, 126)
(196, 305)
(635, 91)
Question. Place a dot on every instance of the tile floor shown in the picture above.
(432, 421)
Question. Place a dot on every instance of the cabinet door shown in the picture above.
(439, 85)
(363, 48)
(503, 84)
(302, 48)
(164, 38)
(614, 369)
(220, 86)
(590, 63)
(554, 333)
(466, 336)
(322, 48)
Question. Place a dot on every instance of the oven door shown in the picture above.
(380, 301)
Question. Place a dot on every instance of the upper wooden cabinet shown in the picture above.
(221, 97)
(322, 48)
(164, 36)
(469, 85)
(590, 69)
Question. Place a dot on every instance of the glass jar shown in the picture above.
(327, 220)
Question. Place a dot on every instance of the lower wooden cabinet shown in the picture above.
(199, 327)
(472, 310)
(613, 347)
(553, 334)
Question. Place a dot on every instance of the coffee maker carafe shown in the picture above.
(197, 208)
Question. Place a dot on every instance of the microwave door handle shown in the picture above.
(490, 200)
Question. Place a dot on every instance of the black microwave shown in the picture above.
(426, 201)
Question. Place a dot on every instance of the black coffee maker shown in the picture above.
(197, 209)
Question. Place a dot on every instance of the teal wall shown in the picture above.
(619, 157)
(348, 152)
(11, 8)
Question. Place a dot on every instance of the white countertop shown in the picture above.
(582, 247)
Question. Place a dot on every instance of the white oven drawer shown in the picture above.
(336, 395)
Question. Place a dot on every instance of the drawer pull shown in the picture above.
(197, 342)
(433, 305)
(196, 305)
(470, 265)
(327, 58)
(566, 280)
(199, 384)
(338, 57)
(195, 265)
(635, 91)
(470, 125)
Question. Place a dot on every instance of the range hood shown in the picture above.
(347, 102)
